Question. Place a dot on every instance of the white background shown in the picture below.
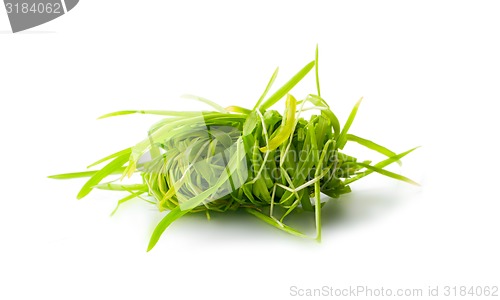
(429, 74)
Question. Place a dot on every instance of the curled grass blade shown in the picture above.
(190, 204)
(286, 128)
(327, 112)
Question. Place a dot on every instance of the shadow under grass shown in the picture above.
(349, 211)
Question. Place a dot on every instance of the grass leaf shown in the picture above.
(250, 123)
(317, 72)
(110, 157)
(371, 145)
(327, 112)
(81, 174)
(120, 187)
(150, 112)
(342, 139)
(268, 87)
(287, 86)
(173, 215)
(206, 101)
(275, 223)
(238, 109)
(380, 165)
(286, 128)
(387, 173)
(127, 198)
(114, 165)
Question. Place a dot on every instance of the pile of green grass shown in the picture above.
(259, 160)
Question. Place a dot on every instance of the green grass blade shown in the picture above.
(120, 187)
(81, 174)
(114, 165)
(127, 198)
(275, 223)
(328, 113)
(287, 86)
(317, 72)
(173, 215)
(238, 109)
(343, 134)
(387, 173)
(268, 87)
(128, 150)
(206, 101)
(317, 209)
(371, 145)
(286, 128)
(380, 165)
(150, 112)
(250, 123)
